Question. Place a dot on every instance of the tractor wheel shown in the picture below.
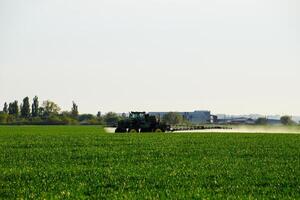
(158, 130)
(133, 131)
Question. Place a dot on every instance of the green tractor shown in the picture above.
(139, 122)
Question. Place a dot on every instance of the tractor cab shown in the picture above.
(137, 115)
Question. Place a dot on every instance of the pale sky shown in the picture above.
(227, 56)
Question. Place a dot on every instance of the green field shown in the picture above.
(78, 162)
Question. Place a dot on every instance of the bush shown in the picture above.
(287, 120)
(3, 118)
(85, 117)
(36, 120)
(11, 119)
(53, 120)
(261, 121)
(68, 120)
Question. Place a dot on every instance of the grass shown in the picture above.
(79, 162)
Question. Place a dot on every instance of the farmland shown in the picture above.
(68, 162)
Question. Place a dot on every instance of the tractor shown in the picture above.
(139, 122)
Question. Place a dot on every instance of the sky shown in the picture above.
(227, 56)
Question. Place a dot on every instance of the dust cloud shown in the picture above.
(253, 129)
(240, 129)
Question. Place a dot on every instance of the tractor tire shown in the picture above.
(132, 131)
(158, 130)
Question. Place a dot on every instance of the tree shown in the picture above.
(286, 120)
(111, 119)
(89, 119)
(41, 111)
(25, 108)
(67, 118)
(100, 118)
(86, 117)
(16, 108)
(261, 121)
(74, 110)
(13, 108)
(5, 108)
(10, 109)
(173, 118)
(35, 107)
(50, 108)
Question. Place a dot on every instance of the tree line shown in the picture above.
(49, 113)
(285, 120)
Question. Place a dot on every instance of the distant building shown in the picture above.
(242, 120)
(236, 120)
(273, 121)
(245, 120)
(196, 117)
